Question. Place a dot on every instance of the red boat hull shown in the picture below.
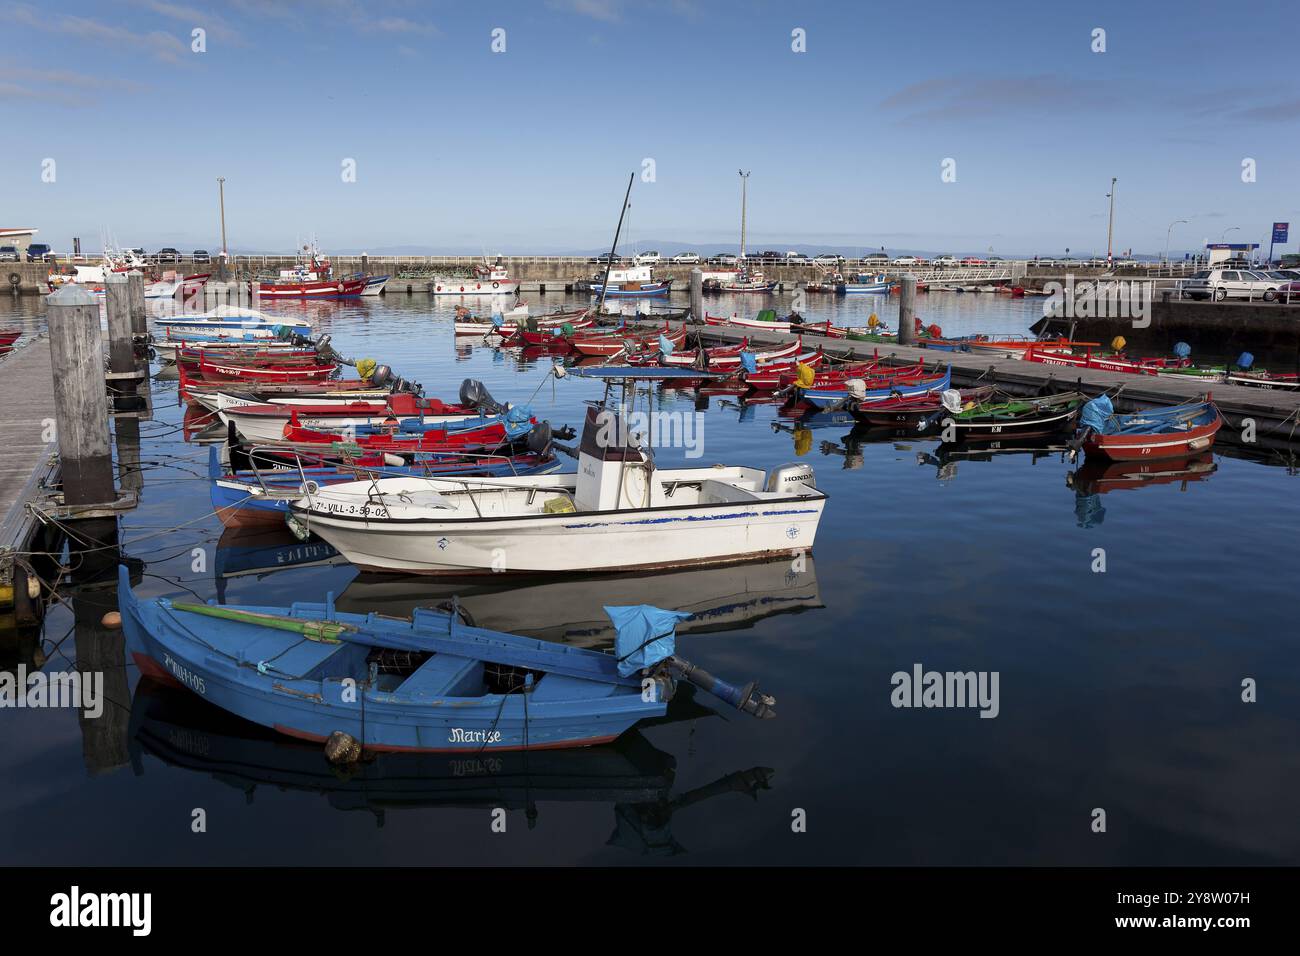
(321, 289)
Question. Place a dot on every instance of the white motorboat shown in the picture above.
(617, 512)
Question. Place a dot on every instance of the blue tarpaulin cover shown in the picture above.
(645, 635)
(748, 362)
(519, 414)
(496, 319)
(1182, 349)
(665, 346)
(1097, 414)
(1245, 360)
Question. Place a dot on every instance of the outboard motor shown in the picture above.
(474, 394)
(540, 438)
(382, 376)
(793, 479)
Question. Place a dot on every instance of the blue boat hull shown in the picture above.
(647, 292)
(310, 690)
(825, 397)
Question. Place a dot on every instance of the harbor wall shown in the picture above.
(1218, 330)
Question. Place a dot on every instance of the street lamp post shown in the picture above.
(221, 200)
(1110, 225)
(744, 182)
(1168, 233)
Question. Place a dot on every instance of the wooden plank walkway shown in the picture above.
(26, 409)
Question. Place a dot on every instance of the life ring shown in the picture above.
(437, 288)
(478, 285)
(462, 288)
(496, 285)
(15, 278)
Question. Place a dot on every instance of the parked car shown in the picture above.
(686, 257)
(607, 257)
(974, 261)
(876, 258)
(828, 259)
(795, 257)
(10, 254)
(1221, 284)
(646, 258)
(201, 255)
(946, 261)
(906, 261)
(725, 259)
(168, 254)
(39, 251)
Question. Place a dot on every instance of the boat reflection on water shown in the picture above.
(1099, 476)
(571, 610)
(257, 552)
(635, 777)
(947, 455)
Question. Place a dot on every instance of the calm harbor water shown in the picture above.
(1118, 690)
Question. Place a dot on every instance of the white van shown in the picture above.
(646, 258)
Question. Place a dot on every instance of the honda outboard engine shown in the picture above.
(540, 438)
(474, 394)
(382, 376)
(792, 479)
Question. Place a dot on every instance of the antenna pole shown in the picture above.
(604, 286)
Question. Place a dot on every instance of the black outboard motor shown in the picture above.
(540, 438)
(474, 394)
(382, 376)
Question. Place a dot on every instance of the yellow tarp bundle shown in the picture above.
(805, 375)
(366, 367)
(558, 506)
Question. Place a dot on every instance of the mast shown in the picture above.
(744, 182)
(604, 286)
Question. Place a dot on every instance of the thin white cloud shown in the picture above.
(607, 11)
(156, 43)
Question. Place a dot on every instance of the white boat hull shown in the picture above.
(395, 537)
(477, 287)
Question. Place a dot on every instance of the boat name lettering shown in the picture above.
(190, 680)
(459, 735)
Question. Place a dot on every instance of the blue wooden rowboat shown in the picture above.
(826, 397)
(431, 683)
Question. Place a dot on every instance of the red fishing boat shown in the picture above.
(910, 410)
(786, 375)
(9, 336)
(1106, 362)
(607, 344)
(1175, 431)
(313, 279)
(211, 370)
(490, 435)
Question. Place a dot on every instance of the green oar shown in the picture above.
(326, 632)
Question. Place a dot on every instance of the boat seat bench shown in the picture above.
(444, 675)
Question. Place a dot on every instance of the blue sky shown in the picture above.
(458, 147)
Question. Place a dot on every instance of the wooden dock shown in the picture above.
(1276, 412)
(29, 464)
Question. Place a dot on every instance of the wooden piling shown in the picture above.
(80, 398)
(907, 311)
(697, 294)
(117, 299)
